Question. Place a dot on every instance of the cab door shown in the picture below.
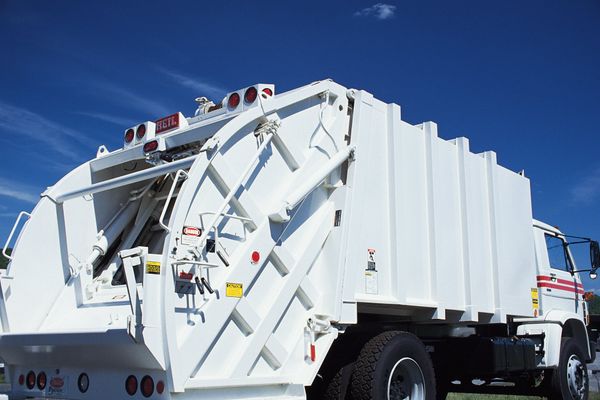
(557, 287)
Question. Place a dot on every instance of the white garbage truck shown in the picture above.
(302, 245)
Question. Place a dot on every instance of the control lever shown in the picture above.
(205, 282)
(199, 285)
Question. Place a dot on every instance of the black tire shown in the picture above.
(559, 380)
(378, 359)
(337, 389)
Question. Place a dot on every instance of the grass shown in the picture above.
(464, 396)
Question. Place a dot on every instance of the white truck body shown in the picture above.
(302, 212)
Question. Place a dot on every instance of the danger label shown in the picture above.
(153, 267)
(234, 289)
(191, 235)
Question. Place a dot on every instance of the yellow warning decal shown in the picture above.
(153, 267)
(535, 298)
(234, 289)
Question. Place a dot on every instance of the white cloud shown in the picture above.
(113, 119)
(18, 191)
(587, 190)
(36, 127)
(202, 87)
(379, 11)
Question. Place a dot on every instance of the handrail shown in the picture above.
(168, 200)
(12, 232)
(125, 179)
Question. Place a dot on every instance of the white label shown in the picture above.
(371, 282)
(191, 236)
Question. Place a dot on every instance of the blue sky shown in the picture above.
(518, 77)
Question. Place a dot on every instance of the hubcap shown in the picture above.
(577, 378)
(406, 381)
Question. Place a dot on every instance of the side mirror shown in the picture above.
(595, 254)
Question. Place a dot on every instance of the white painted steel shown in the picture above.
(320, 206)
(12, 232)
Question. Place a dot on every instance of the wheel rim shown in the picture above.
(406, 381)
(577, 378)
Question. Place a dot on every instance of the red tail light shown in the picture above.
(21, 379)
(129, 135)
(131, 385)
(234, 100)
(141, 131)
(151, 146)
(250, 95)
(268, 92)
(160, 387)
(41, 380)
(147, 386)
(30, 380)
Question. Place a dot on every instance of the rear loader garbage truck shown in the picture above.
(302, 245)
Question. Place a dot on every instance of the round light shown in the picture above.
(83, 383)
(30, 380)
(129, 135)
(41, 380)
(151, 146)
(141, 131)
(255, 257)
(250, 95)
(131, 385)
(234, 100)
(147, 386)
(21, 379)
(160, 387)
(268, 92)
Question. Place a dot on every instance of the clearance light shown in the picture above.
(151, 146)
(147, 386)
(250, 95)
(141, 131)
(267, 92)
(234, 100)
(41, 380)
(131, 385)
(255, 257)
(129, 135)
(30, 380)
(21, 379)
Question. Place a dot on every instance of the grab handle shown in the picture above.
(12, 232)
(168, 200)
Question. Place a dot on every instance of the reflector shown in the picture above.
(160, 387)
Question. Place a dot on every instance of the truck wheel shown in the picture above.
(570, 380)
(393, 366)
(337, 389)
